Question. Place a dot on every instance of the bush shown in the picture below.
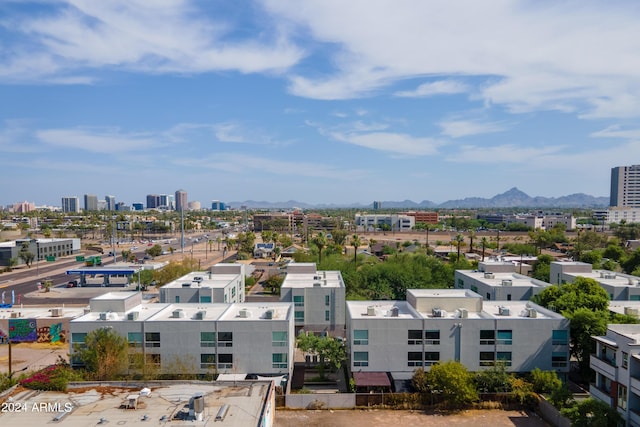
(54, 377)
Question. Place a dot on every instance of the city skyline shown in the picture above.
(325, 102)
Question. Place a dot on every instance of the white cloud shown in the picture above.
(109, 141)
(503, 154)
(616, 132)
(460, 128)
(440, 87)
(170, 36)
(528, 56)
(397, 143)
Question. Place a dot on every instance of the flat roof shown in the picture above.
(381, 309)
(609, 278)
(329, 279)
(203, 280)
(165, 404)
(496, 279)
(257, 311)
(442, 293)
(42, 312)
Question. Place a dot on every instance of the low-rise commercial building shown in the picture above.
(223, 283)
(453, 324)
(619, 286)
(395, 222)
(40, 248)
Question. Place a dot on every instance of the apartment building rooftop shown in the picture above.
(499, 279)
(330, 279)
(258, 311)
(202, 280)
(381, 309)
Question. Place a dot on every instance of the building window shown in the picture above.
(622, 397)
(559, 359)
(504, 337)
(360, 337)
(504, 357)
(487, 337)
(279, 339)
(207, 339)
(279, 360)
(152, 339)
(153, 359)
(432, 337)
(327, 300)
(298, 300)
(135, 339)
(460, 283)
(487, 358)
(488, 296)
(78, 337)
(204, 299)
(177, 299)
(327, 315)
(225, 339)
(414, 358)
(299, 316)
(207, 361)
(560, 337)
(414, 337)
(474, 288)
(225, 361)
(625, 360)
(431, 357)
(360, 358)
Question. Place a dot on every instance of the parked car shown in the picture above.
(72, 284)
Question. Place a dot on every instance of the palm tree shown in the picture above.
(484, 244)
(472, 236)
(459, 239)
(356, 242)
(320, 240)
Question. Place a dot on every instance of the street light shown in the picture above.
(37, 242)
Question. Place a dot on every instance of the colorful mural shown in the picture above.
(53, 333)
(22, 330)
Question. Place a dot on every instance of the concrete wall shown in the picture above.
(551, 415)
(321, 401)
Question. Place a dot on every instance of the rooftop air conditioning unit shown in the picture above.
(317, 284)
(200, 315)
(438, 312)
(133, 315)
(243, 313)
(532, 313)
(56, 312)
(394, 311)
(103, 316)
(609, 275)
(197, 279)
(317, 277)
(507, 282)
(178, 314)
(489, 276)
(504, 311)
(268, 314)
(464, 313)
(371, 311)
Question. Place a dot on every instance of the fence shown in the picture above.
(321, 401)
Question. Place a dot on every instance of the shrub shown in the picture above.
(54, 377)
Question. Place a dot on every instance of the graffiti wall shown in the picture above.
(27, 330)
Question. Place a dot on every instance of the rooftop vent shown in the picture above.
(200, 315)
(507, 282)
(504, 311)
(243, 313)
(394, 311)
(371, 311)
(178, 314)
(607, 275)
(489, 276)
(133, 315)
(531, 312)
(222, 413)
(103, 316)
(268, 314)
(438, 312)
(197, 279)
(631, 311)
(56, 312)
(317, 284)
(464, 313)
(186, 285)
(317, 277)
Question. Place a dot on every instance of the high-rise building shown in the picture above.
(90, 202)
(625, 186)
(166, 202)
(194, 205)
(153, 201)
(217, 205)
(181, 200)
(137, 206)
(70, 204)
(111, 202)
(377, 205)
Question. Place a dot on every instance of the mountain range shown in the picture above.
(512, 198)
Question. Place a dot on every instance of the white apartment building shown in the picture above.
(616, 363)
(498, 281)
(625, 186)
(318, 298)
(250, 338)
(437, 325)
(372, 222)
(627, 214)
(619, 286)
(223, 283)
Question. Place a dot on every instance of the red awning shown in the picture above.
(371, 379)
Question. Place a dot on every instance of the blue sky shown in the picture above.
(325, 101)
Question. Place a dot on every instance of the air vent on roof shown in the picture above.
(197, 279)
(133, 315)
(504, 311)
(103, 316)
(200, 315)
(489, 276)
(438, 312)
(631, 311)
(178, 313)
(56, 312)
(317, 284)
(317, 277)
(186, 285)
(394, 311)
(243, 313)
(464, 313)
(531, 312)
(507, 282)
(371, 311)
(609, 275)
(268, 314)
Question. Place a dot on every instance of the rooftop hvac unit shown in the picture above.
(438, 312)
(200, 315)
(15, 314)
(268, 314)
(186, 285)
(609, 275)
(317, 284)
(243, 313)
(178, 314)
(464, 313)
(103, 316)
(489, 276)
(507, 282)
(317, 277)
(395, 311)
(371, 311)
(133, 315)
(56, 312)
(504, 311)
(197, 279)
(531, 312)
(631, 311)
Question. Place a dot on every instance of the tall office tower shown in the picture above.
(625, 186)
(377, 205)
(153, 201)
(90, 202)
(217, 205)
(166, 201)
(111, 202)
(181, 200)
(70, 204)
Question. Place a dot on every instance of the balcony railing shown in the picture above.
(600, 394)
(604, 366)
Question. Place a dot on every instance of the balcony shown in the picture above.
(634, 418)
(600, 394)
(604, 366)
(635, 385)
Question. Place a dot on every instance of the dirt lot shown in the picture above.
(373, 418)
(32, 356)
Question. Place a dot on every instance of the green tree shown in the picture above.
(329, 350)
(453, 382)
(355, 242)
(25, 254)
(320, 242)
(419, 381)
(614, 252)
(585, 323)
(104, 354)
(542, 268)
(544, 381)
(273, 283)
(592, 413)
(154, 251)
(339, 237)
(494, 379)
